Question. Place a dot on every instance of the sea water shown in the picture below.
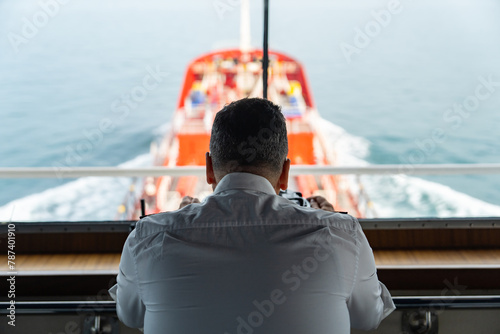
(400, 82)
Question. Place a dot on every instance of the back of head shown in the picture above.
(249, 135)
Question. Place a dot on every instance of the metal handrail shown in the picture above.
(74, 172)
(420, 302)
(447, 302)
(113, 226)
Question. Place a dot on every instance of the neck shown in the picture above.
(274, 182)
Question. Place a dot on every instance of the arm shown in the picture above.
(129, 306)
(370, 301)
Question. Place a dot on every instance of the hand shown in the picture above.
(186, 200)
(319, 202)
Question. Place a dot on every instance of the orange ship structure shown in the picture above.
(218, 78)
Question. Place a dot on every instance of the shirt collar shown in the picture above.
(245, 181)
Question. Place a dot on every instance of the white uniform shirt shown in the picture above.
(246, 261)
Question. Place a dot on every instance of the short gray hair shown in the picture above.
(249, 134)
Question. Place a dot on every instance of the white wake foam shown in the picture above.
(88, 198)
(400, 195)
(97, 198)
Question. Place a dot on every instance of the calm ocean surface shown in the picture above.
(418, 83)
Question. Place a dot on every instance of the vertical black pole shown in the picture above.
(265, 60)
(143, 208)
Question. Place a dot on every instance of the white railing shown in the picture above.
(74, 172)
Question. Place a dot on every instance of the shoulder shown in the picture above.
(163, 221)
(336, 220)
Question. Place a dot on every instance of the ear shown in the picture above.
(210, 169)
(283, 180)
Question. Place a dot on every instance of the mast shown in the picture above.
(245, 40)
